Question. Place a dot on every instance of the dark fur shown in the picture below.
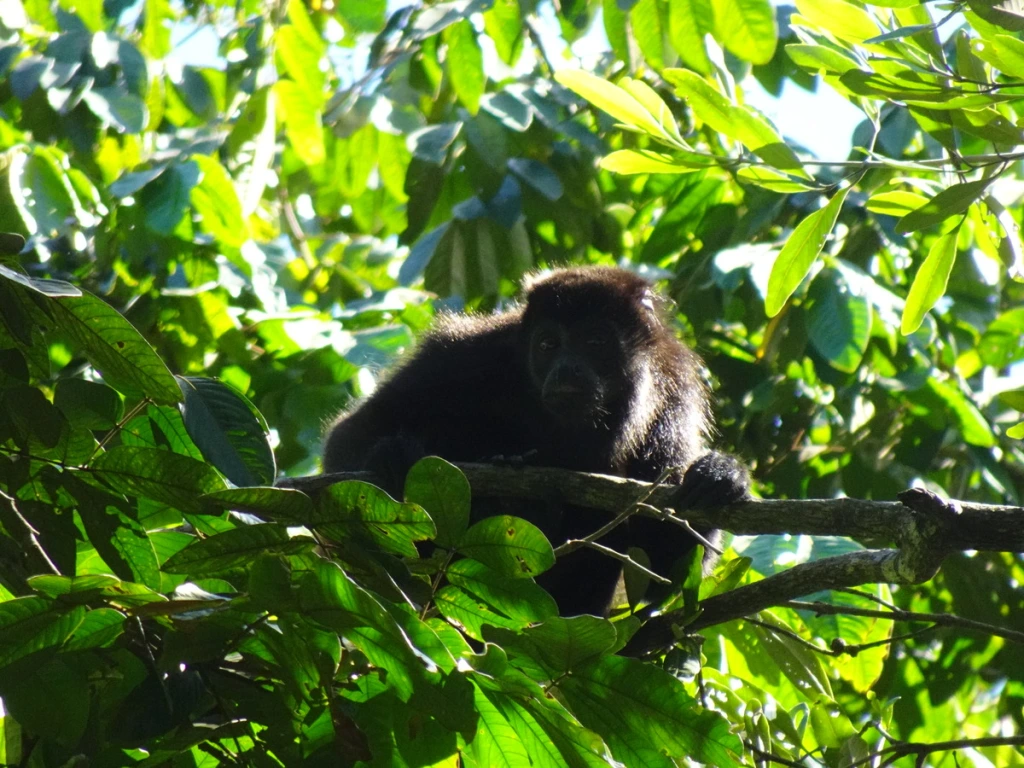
(634, 405)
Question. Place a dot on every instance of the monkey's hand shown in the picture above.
(713, 480)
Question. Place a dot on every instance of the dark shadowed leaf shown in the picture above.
(159, 475)
(235, 549)
(228, 429)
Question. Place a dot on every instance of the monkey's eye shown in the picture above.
(598, 340)
(547, 343)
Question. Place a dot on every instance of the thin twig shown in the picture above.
(625, 559)
(942, 619)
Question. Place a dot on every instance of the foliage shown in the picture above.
(274, 222)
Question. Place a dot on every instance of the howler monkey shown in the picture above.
(585, 375)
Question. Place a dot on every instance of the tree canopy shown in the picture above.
(220, 222)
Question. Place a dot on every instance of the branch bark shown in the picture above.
(985, 527)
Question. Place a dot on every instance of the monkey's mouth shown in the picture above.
(574, 407)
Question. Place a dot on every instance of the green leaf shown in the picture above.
(215, 200)
(801, 665)
(631, 161)
(819, 58)
(1016, 431)
(930, 281)
(772, 180)
(736, 122)
(303, 122)
(236, 548)
(616, 101)
(471, 614)
(800, 252)
(88, 404)
(281, 504)
(31, 624)
(646, 716)
(844, 20)
(509, 545)
(519, 599)
(645, 18)
(125, 111)
(228, 429)
(330, 597)
(838, 322)
(504, 26)
(897, 203)
(443, 491)
(747, 28)
(166, 199)
(126, 360)
(688, 22)
(973, 426)
(465, 64)
(356, 509)
(949, 202)
(159, 475)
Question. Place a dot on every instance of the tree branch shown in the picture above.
(984, 527)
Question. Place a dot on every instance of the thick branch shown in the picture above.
(978, 526)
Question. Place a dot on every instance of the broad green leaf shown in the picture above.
(156, 32)
(41, 191)
(800, 252)
(614, 100)
(1000, 345)
(519, 599)
(1016, 431)
(737, 122)
(973, 426)
(631, 161)
(280, 504)
(31, 624)
(236, 548)
(331, 598)
(949, 202)
(796, 661)
(509, 545)
(124, 111)
(88, 404)
(646, 716)
(505, 27)
(896, 203)
(747, 28)
(303, 122)
(830, 725)
(356, 509)
(654, 104)
(470, 614)
(300, 48)
(228, 429)
(465, 64)
(845, 20)
(496, 742)
(443, 491)
(159, 475)
(216, 202)
(118, 351)
(688, 22)
(817, 58)
(930, 281)
(648, 31)
(838, 322)
(1010, 51)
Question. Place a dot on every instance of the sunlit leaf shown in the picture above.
(930, 281)
(800, 252)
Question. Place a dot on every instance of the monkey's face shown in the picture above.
(578, 369)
